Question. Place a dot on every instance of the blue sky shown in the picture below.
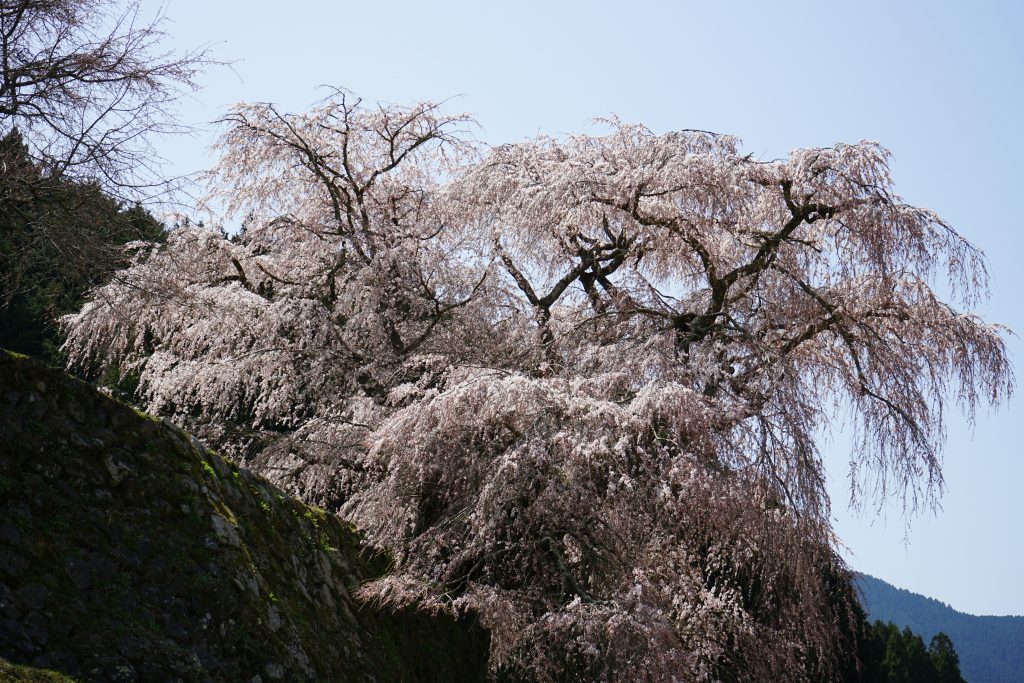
(940, 84)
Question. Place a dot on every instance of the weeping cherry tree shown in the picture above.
(572, 385)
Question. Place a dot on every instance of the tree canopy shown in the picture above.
(572, 384)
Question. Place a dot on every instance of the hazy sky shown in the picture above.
(940, 84)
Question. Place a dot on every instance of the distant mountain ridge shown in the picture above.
(991, 648)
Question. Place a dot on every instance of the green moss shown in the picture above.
(227, 514)
(144, 415)
(312, 517)
(27, 674)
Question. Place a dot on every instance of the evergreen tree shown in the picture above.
(58, 238)
(919, 666)
(888, 655)
(894, 663)
(944, 659)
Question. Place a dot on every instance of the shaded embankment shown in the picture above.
(130, 552)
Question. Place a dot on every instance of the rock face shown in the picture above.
(129, 552)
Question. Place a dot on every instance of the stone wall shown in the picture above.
(129, 552)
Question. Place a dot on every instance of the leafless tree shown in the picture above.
(88, 85)
(86, 88)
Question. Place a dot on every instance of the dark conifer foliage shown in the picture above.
(58, 238)
(988, 647)
(889, 655)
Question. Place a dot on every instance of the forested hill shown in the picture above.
(991, 649)
(129, 552)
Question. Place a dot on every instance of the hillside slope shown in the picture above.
(128, 552)
(991, 649)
